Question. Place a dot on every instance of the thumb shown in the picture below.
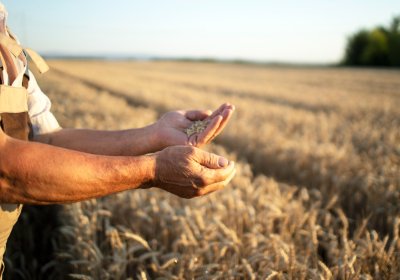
(213, 161)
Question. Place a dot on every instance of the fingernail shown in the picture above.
(222, 162)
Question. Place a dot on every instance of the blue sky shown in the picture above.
(313, 31)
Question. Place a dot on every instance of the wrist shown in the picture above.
(136, 172)
(149, 170)
(154, 137)
(138, 141)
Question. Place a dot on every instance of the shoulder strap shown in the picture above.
(14, 116)
(38, 60)
(12, 45)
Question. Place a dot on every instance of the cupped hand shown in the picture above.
(190, 172)
(171, 128)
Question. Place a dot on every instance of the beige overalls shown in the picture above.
(14, 120)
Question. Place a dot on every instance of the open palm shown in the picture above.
(171, 126)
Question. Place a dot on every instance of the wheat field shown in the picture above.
(316, 195)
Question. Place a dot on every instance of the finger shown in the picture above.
(210, 189)
(207, 134)
(194, 191)
(198, 139)
(209, 160)
(217, 186)
(226, 116)
(220, 110)
(212, 176)
(194, 140)
(196, 115)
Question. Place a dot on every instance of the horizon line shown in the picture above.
(209, 59)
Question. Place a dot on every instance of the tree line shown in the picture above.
(379, 46)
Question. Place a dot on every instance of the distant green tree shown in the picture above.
(377, 50)
(355, 48)
(394, 42)
(377, 47)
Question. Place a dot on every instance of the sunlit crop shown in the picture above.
(316, 195)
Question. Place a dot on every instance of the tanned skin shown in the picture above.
(73, 165)
(167, 131)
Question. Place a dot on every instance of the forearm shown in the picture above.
(34, 173)
(114, 143)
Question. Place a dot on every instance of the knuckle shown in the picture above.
(213, 160)
(203, 179)
(200, 182)
(192, 194)
(190, 151)
(209, 159)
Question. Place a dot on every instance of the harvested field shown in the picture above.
(316, 195)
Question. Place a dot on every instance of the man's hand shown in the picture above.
(189, 172)
(170, 129)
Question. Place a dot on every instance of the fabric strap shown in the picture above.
(14, 118)
(16, 50)
(13, 99)
(10, 44)
(38, 60)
